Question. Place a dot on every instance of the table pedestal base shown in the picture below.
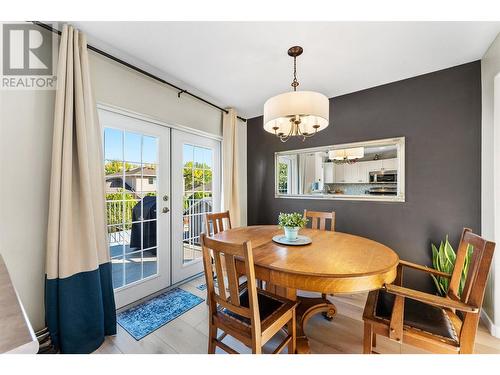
(307, 308)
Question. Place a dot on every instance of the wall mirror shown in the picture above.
(370, 170)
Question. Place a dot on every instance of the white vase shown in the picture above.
(291, 233)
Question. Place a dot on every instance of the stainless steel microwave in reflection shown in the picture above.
(380, 177)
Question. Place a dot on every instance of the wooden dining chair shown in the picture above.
(215, 221)
(318, 219)
(252, 316)
(437, 324)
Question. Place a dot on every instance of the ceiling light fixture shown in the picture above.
(296, 113)
(347, 155)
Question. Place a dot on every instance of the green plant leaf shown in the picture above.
(443, 262)
(438, 285)
(449, 253)
(435, 256)
(293, 219)
(443, 259)
(465, 269)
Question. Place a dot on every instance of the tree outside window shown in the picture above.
(283, 178)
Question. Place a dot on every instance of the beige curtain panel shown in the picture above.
(80, 308)
(230, 177)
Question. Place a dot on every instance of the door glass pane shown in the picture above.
(133, 147)
(149, 150)
(149, 180)
(187, 153)
(207, 157)
(134, 240)
(149, 262)
(117, 269)
(133, 267)
(197, 197)
(149, 234)
(116, 240)
(132, 180)
(115, 177)
(131, 196)
(113, 144)
(133, 210)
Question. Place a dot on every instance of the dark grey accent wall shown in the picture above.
(440, 115)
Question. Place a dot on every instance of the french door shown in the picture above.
(137, 174)
(195, 192)
(160, 183)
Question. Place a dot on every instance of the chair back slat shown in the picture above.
(479, 266)
(453, 289)
(229, 252)
(232, 278)
(219, 272)
(318, 219)
(472, 272)
(214, 222)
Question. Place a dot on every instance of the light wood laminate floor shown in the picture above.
(343, 335)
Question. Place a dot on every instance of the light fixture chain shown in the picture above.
(305, 121)
(295, 83)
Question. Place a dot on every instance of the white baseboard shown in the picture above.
(494, 329)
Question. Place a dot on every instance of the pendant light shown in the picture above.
(347, 155)
(297, 113)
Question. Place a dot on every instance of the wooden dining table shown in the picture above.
(333, 263)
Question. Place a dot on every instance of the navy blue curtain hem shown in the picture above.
(80, 310)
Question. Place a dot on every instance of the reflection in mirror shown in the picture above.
(372, 170)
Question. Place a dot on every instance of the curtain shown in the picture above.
(79, 301)
(230, 177)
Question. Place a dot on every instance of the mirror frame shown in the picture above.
(399, 197)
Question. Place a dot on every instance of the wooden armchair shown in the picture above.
(252, 316)
(437, 324)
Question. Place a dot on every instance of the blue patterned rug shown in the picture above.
(147, 317)
(203, 286)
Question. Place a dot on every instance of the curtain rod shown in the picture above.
(139, 70)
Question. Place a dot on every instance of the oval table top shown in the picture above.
(334, 262)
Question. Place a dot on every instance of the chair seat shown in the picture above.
(271, 307)
(417, 315)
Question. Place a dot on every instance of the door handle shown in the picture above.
(165, 210)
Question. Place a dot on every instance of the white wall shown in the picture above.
(490, 176)
(26, 123)
(25, 149)
(119, 86)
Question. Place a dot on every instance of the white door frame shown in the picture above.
(141, 288)
(181, 271)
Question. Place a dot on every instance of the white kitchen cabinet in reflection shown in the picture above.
(339, 170)
(390, 164)
(328, 173)
(356, 173)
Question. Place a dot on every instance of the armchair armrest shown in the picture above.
(430, 298)
(415, 266)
